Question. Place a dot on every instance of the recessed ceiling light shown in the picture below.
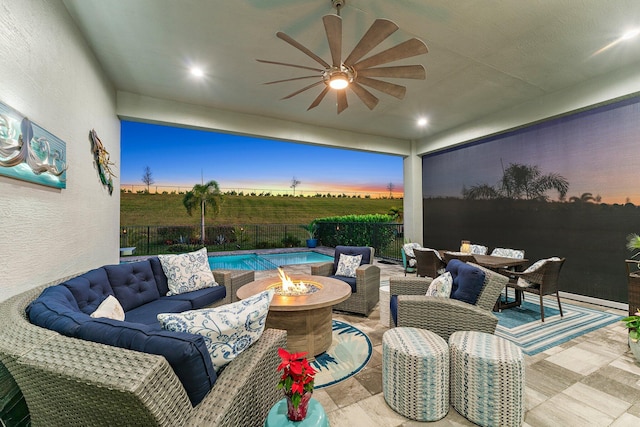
(196, 71)
(422, 121)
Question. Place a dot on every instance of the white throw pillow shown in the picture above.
(441, 286)
(348, 264)
(109, 308)
(227, 330)
(187, 272)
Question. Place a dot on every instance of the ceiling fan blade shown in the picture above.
(302, 49)
(319, 98)
(400, 72)
(333, 28)
(290, 80)
(369, 99)
(302, 90)
(411, 47)
(342, 101)
(290, 65)
(386, 87)
(379, 30)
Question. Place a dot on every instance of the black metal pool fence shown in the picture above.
(386, 238)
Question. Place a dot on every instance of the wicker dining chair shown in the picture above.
(462, 256)
(429, 263)
(408, 263)
(541, 280)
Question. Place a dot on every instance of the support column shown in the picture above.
(412, 206)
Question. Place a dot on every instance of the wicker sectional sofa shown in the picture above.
(71, 381)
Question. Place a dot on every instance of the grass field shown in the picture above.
(167, 209)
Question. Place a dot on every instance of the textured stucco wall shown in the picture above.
(49, 74)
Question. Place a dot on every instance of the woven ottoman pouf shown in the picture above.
(415, 373)
(487, 379)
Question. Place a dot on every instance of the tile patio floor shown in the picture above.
(592, 380)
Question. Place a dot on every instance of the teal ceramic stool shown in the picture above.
(316, 416)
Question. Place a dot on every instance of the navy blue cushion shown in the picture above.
(468, 282)
(351, 281)
(57, 309)
(393, 306)
(202, 297)
(351, 250)
(133, 283)
(148, 312)
(186, 353)
(158, 273)
(90, 289)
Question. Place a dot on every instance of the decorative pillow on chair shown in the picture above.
(348, 264)
(441, 286)
(110, 308)
(227, 330)
(538, 264)
(187, 272)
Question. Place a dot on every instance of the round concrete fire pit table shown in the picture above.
(306, 318)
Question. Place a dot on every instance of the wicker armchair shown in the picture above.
(367, 282)
(445, 316)
(541, 281)
(69, 381)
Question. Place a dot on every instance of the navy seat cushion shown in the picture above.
(148, 313)
(351, 281)
(202, 297)
(351, 250)
(158, 273)
(393, 306)
(90, 289)
(468, 281)
(186, 353)
(133, 283)
(57, 309)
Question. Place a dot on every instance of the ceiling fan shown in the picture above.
(355, 72)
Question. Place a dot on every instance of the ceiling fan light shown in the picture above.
(339, 81)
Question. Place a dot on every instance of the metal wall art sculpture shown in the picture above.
(102, 161)
(30, 153)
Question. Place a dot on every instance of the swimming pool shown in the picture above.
(265, 261)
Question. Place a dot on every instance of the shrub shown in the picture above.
(357, 230)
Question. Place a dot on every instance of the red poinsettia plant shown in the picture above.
(297, 375)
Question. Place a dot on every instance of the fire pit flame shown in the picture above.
(288, 287)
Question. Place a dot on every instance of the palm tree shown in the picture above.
(202, 195)
(584, 198)
(520, 182)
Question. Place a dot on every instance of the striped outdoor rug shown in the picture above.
(522, 325)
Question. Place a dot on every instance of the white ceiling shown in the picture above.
(484, 56)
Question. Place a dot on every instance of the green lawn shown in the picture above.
(167, 209)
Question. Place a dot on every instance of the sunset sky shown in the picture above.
(181, 157)
(597, 151)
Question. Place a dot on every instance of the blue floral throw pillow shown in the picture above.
(187, 272)
(348, 264)
(441, 286)
(227, 330)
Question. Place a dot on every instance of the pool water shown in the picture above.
(265, 261)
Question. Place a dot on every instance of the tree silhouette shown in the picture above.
(584, 198)
(519, 181)
(200, 196)
(294, 184)
(147, 177)
(390, 187)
